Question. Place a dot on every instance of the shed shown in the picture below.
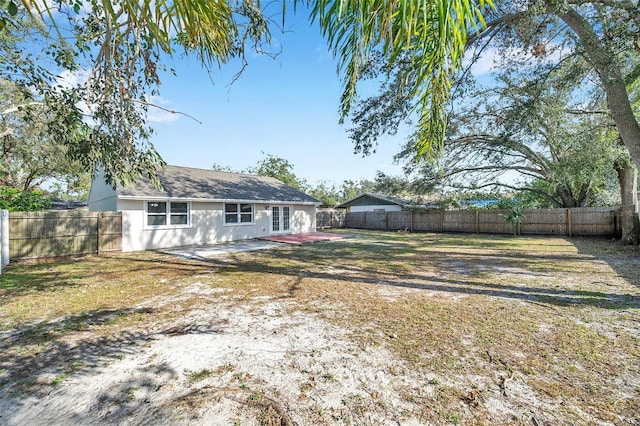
(368, 202)
(198, 206)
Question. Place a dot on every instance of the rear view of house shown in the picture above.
(197, 206)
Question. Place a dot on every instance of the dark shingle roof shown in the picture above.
(67, 205)
(386, 198)
(186, 182)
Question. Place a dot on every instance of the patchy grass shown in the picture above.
(130, 394)
(197, 376)
(81, 290)
(550, 324)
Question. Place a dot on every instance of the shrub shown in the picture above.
(14, 199)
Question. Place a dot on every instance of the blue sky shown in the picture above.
(286, 107)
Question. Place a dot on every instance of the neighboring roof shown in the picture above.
(190, 183)
(384, 199)
(67, 205)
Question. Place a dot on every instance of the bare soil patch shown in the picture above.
(376, 328)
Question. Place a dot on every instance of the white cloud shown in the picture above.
(159, 110)
(68, 79)
(484, 64)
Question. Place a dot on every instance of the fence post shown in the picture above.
(477, 221)
(441, 220)
(4, 239)
(99, 232)
(569, 230)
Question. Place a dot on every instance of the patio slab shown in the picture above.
(298, 239)
(214, 250)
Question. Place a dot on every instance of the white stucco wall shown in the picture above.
(386, 207)
(304, 219)
(206, 226)
(102, 197)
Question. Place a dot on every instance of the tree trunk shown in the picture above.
(629, 221)
(606, 65)
(565, 194)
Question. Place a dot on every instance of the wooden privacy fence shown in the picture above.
(329, 218)
(578, 221)
(50, 234)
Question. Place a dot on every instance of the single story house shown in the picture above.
(196, 206)
(368, 202)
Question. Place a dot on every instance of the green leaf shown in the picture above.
(12, 9)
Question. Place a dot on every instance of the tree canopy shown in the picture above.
(529, 137)
(119, 45)
(539, 30)
(111, 54)
(31, 156)
(279, 168)
(538, 37)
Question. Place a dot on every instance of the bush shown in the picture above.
(14, 199)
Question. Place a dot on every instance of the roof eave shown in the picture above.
(213, 200)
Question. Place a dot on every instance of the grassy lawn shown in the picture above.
(490, 329)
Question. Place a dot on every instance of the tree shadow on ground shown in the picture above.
(53, 349)
(28, 278)
(438, 269)
(25, 278)
(623, 259)
(460, 273)
(38, 358)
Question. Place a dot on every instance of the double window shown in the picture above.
(238, 213)
(167, 213)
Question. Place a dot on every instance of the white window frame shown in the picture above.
(238, 214)
(167, 214)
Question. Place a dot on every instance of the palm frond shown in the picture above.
(433, 32)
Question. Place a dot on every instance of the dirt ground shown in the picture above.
(246, 364)
(250, 363)
(209, 354)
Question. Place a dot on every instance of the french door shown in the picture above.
(280, 219)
